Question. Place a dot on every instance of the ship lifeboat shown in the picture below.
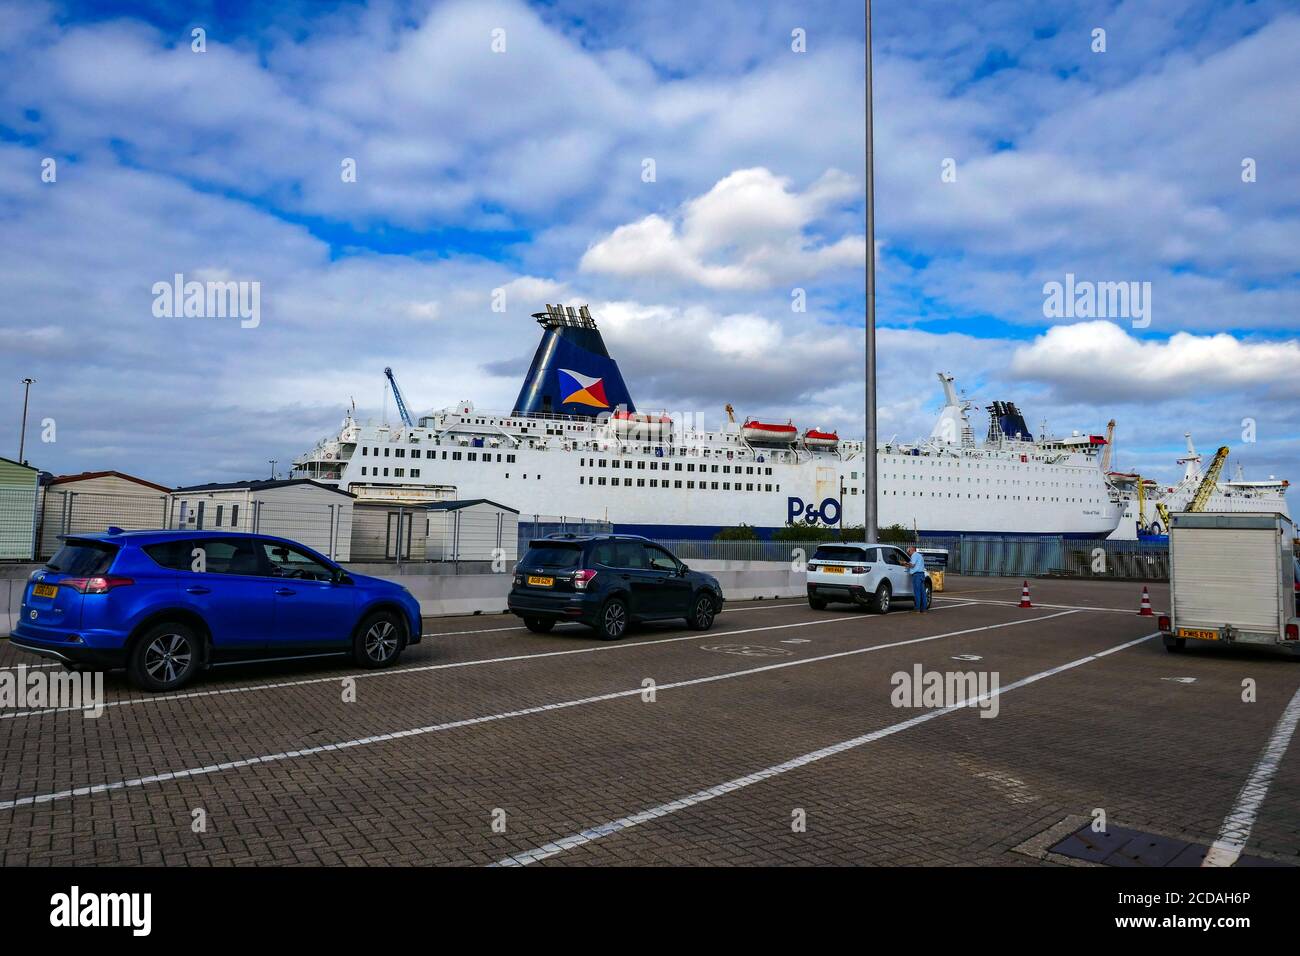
(645, 427)
(769, 434)
(813, 438)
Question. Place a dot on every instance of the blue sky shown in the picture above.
(522, 169)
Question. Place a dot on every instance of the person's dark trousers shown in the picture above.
(918, 591)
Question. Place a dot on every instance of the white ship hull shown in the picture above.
(555, 456)
(702, 481)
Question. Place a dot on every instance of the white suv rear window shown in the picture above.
(839, 553)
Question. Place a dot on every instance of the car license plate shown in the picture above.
(45, 590)
(540, 582)
(1198, 633)
(833, 569)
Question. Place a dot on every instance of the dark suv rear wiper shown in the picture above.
(52, 567)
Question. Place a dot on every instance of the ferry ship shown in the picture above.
(575, 445)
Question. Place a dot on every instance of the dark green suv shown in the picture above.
(608, 582)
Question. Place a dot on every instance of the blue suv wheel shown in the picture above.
(165, 657)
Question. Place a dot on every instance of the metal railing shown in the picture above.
(31, 524)
(19, 515)
(974, 555)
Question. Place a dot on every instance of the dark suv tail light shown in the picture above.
(99, 584)
(581, 578)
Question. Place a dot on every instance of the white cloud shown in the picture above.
(746, 336)
(751, 220)
(1101, 361)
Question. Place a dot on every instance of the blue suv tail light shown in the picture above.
(99, 584)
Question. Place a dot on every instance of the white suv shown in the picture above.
(863, 574)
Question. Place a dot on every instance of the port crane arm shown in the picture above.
(1210, 481)
(397, 396)
(1110, 443)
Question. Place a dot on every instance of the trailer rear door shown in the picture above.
(1226, 576)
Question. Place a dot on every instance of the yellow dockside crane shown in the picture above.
(1204, 491)
(1210, 481)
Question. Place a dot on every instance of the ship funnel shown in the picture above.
(572, 372)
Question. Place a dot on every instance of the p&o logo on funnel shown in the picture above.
(579, 389)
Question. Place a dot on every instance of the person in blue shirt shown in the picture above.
(918, 579)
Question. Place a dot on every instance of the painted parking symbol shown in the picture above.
(746, 650)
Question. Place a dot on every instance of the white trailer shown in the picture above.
(1232, 578)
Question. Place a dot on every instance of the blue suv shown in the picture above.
(168, 604)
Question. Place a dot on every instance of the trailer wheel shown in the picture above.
(1175, 645)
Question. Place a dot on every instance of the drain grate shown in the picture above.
(1120, 846)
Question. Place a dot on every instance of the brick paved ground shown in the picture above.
(1113, 733)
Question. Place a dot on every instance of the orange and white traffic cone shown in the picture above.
(1024, 596)
(1145, 609)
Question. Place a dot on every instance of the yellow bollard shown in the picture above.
(936, 580)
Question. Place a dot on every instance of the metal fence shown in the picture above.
(539, 526)
(63, 512)
(31, 523)
(326, 527)
(19, 514)
(975, 555)
(30, 526)
(1067, 557)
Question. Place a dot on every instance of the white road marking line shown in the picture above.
(280, 685)
(1240, 820)
(1073, 607)
(304, 682)
(29, 667)
(520, 627)
(739, 783)
(524, 712)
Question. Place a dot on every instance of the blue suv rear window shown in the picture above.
(82, 558)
